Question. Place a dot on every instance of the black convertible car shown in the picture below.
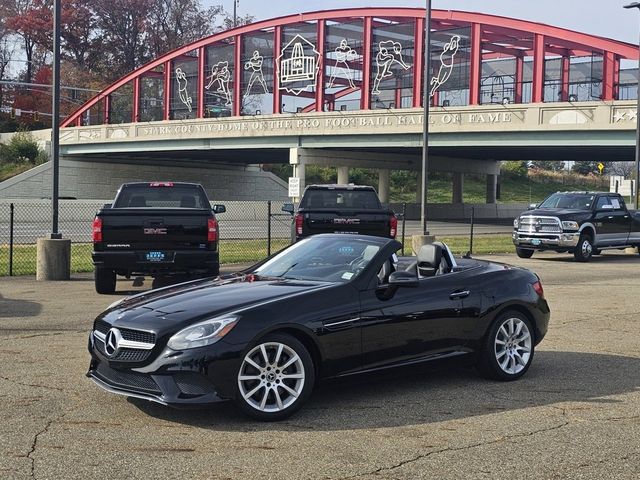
(327, 306)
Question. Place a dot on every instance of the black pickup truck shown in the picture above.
(583, 223)
(157, 228)
(341, 209)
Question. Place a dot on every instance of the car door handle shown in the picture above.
(459, 294)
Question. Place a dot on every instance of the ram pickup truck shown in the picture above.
(347, 209)
(155, 229)
(583, 223)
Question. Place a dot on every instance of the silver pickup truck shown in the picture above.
(583, 223)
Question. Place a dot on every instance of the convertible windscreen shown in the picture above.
(333, 259)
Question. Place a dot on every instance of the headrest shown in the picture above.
(188, 201)
(430, 255)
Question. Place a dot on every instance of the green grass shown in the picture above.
(512, 190)
(237, 251)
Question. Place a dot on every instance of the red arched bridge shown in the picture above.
(365, 58)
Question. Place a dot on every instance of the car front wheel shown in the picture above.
(275, 378)
(508, 348)
(584, 250)
(524, 252)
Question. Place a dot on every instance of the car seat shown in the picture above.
(137, 201)
(187, 201)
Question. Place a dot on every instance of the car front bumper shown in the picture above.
(545, 240)
(194, 377)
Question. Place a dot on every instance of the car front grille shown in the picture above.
(128, 333)
(539, 225)
(127, 380)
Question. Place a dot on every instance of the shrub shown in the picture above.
(516, 169)
(21, 148)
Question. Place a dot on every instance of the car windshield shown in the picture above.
(338, 258)
(578, 201)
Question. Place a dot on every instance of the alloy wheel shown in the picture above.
(271, 377)
(513, 345)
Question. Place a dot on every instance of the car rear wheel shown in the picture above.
(524, 252)
(275, 378)
(508, 348)
(105, 280)
(584, 249)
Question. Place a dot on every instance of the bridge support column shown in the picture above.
(297, 159)
(458, 188)
(492, 188)
(383, 185)
(343, 175)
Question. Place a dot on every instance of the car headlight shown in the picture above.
(570, 225)
(203, 333)
(516, 223)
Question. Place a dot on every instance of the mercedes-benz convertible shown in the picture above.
(328, 306)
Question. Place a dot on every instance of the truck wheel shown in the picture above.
(524, 252)
(105, 280)
(584, 249)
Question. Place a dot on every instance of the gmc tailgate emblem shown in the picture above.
(155, 231)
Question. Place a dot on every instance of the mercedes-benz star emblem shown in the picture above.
(112, 342)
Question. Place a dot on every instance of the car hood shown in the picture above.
(175, 306)
(556, 212)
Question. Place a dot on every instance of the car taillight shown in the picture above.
(393, 226)
(212, 230)
(298, 221)
(96, 230)
(538, 288)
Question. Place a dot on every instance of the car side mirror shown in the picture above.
(219, 208)
(107, 205)
(403, 279)
(288, 207)
(532, 206)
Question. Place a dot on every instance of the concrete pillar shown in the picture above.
(458, 188)
(343, 175)
(492, 187)
(383, 185)
(53, 259)
(297, 160)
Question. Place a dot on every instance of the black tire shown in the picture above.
(105, 280)
(270, 381)
(584, 250)
(524, 252)
(509, 360)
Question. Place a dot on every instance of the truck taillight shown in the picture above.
(96, 230)
(299, 219)
(393, 226)
(538, 288)
(212, 230)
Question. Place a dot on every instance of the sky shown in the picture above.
(605, 18)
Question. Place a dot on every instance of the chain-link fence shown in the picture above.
(249, 231)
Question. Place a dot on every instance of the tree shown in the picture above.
(585, 168)
(626, 169)
(20, 17)
(124, 25)
(551, 165)
(174, 23)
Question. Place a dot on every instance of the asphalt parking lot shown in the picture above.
(576, 414)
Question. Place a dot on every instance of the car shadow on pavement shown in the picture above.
(12, 308)
(604, 258)
(423, 395)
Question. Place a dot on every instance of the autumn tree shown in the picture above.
(174, 23)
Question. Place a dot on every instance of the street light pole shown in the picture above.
(637, 5)
(55, 120)
(235, 13)
(425, 121)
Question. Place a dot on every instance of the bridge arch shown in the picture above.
(363, 59)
